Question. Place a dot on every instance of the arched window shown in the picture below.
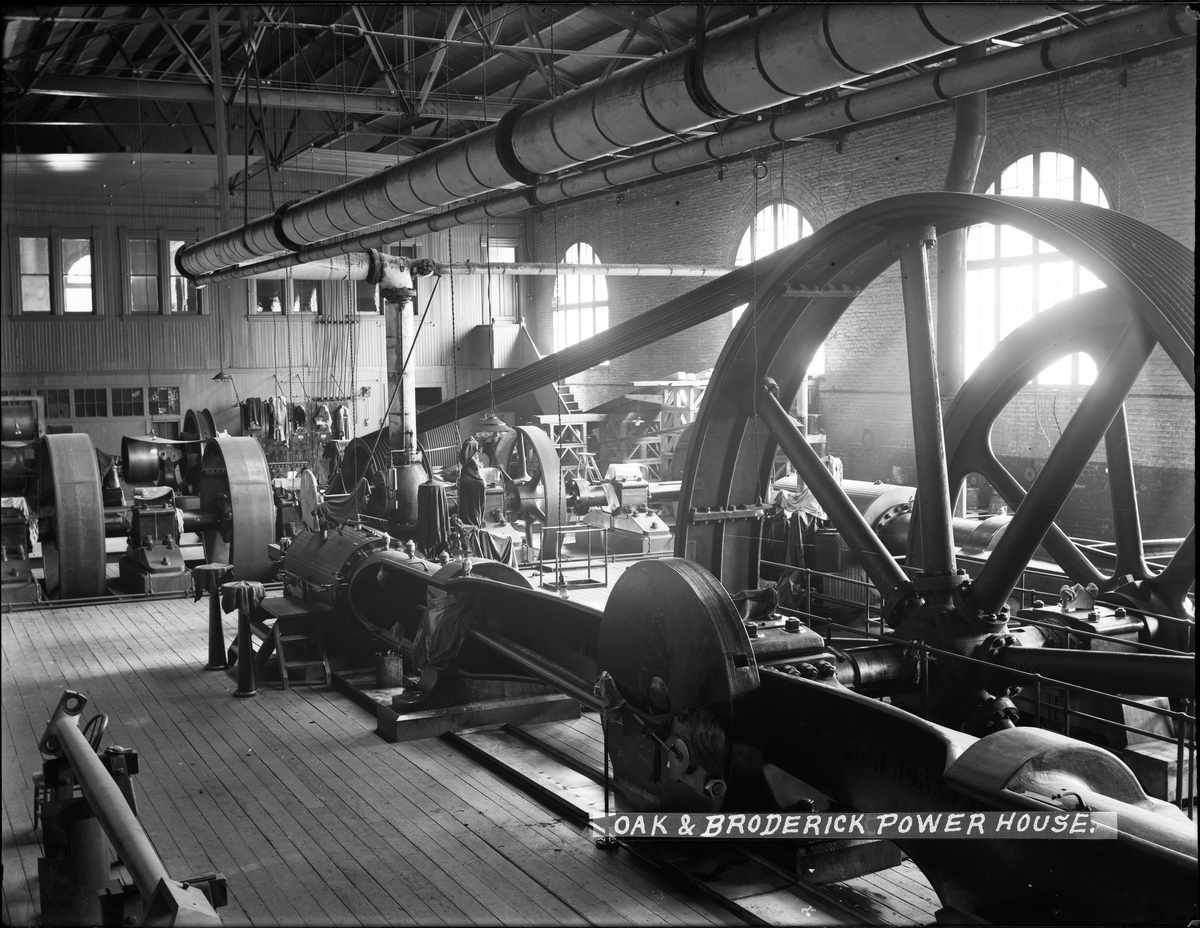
(580, 300)
(1011, 275)
(775, 226)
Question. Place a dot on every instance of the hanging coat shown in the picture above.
(279, 417)
(322, 419)
(341, 423)
(299, 416)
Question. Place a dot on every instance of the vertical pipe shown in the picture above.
(970, 136)
(403, 420)
(933, 484)
(247, 685)
(222, 131)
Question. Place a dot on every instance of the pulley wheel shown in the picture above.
(71, 517)
(532, 476)
(199, 424)
(235, 483)
(673, 641)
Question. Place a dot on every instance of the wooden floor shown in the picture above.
(311, 818)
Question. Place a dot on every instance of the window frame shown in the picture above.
(559, 320)
(285, 310)
(163, 238)
(750, 235)
(1035, 259)
(57, 273)
(509, 286)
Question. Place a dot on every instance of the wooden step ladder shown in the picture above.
(294, 640)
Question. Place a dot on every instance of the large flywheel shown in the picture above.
(71, 517)
(729, 461)
(1149, 301)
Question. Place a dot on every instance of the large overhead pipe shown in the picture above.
(766, 61)
(1119, 36)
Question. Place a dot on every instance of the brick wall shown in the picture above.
(1138, 139)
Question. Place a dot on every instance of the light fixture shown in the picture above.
(490, 424)
(222, 377)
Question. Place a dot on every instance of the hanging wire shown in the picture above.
(754, 335)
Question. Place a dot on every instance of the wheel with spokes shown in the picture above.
(1148, 276)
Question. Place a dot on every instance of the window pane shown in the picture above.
(558, 330)
(981, 242)
(91, 403)
(1017, 179)
(1057, 176)
(307, 296)
(35, 293)
(269, 295)
(1057, 373)
(601, 318)
(585, 322)
(77, 275)
(1016, 297)
(184, 296)
(366, 297)
(128, 401)
(572, 289)
(143, 294)
(572, 320)
(35, 255)
(58, 403)
(143, 256)
(164, 401)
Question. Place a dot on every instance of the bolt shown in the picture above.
(791, 624)
(1120, 612)
(752, 629)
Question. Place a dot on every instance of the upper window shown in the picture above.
(1011, 275)
(775, 226)
(580, 300)
(54, 270)
(154, 287)
(294, 296)
(502, 288)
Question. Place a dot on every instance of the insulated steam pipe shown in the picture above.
(766, 61)
(1118, 36)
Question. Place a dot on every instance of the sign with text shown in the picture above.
(1095, 826)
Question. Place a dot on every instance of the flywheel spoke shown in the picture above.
(1127, 523)
(1066, 462)
(929, 442)
(1179, 575)
(1064, 551)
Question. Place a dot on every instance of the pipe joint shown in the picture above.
(277, 227)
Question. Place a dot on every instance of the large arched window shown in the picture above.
(580, 300)
(775, 226)
(1011, 275)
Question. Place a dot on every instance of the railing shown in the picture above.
(1054, 715)
(556, 536)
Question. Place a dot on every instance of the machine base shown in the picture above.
(457, 704)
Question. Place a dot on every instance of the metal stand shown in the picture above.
(207, 578)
